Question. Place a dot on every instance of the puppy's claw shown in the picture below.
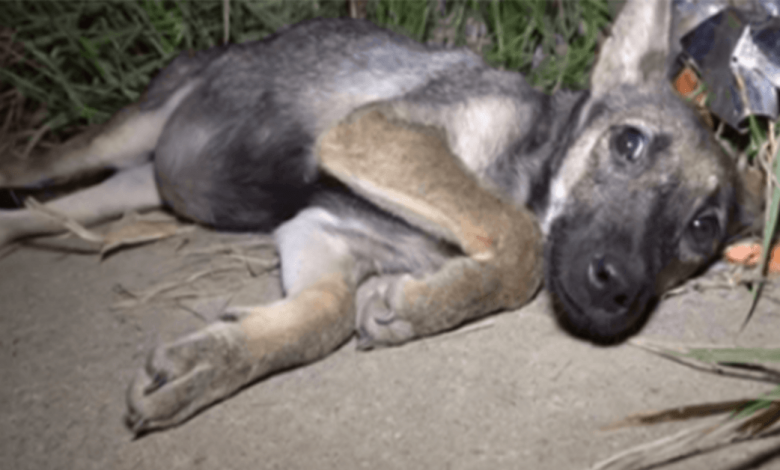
(139, 427)
(184, 377)
(158, 380)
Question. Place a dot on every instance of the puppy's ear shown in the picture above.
(635, 53)
(750, 202)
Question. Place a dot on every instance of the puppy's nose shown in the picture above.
(612, 282)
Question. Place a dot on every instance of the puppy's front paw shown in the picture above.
(185, 376)
(379, 318)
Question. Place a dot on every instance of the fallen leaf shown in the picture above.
(687, 82)
(749, 254)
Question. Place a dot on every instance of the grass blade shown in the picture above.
(773, 210)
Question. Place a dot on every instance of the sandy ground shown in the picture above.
(512, 392)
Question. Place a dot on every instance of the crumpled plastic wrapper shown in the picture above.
(734, 46)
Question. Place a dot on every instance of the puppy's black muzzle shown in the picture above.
(601, 290)
(611, 281)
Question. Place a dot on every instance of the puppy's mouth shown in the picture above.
(593, 323)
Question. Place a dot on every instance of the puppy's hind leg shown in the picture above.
(132, 189)
(317, 315)
(125, 141)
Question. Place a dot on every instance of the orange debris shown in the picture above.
(749, 254)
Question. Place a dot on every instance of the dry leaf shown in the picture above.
(749, 254)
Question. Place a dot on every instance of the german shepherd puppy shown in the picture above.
(403, 184)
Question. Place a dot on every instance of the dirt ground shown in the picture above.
(510, 392)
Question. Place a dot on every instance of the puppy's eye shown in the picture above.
(629, 143)
(704, 231)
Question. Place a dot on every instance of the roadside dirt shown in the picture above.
(510, 392)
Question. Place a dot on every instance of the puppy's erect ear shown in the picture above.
(750, 202)
(635, 53)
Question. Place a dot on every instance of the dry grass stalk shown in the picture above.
(756, 372)
(145, 296)
(697, 440)
(68, 223)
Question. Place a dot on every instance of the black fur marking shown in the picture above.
(595, 111)
(266, 176)
(255, 171)
(660, 242)
(573, 312)
(561, 140)
(660, 143)
(518, 158)
(651, 248)
(535, 158)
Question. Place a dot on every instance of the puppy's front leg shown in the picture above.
(319, 275)
(408, 170)
(183, 377)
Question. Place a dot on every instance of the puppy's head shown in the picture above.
(643, 199)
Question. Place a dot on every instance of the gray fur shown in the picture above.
(631, 192)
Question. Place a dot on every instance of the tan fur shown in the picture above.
(413, 172)
(308, 324)
(411, 169)
(315, 317)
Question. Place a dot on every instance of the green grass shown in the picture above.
(743, 419)
(80, 61)
(566, 33)
(75, 63)
(83, 60)
(759, 150)
(69, 64)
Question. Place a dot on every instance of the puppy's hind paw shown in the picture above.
(183, 377)
(379, 320)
